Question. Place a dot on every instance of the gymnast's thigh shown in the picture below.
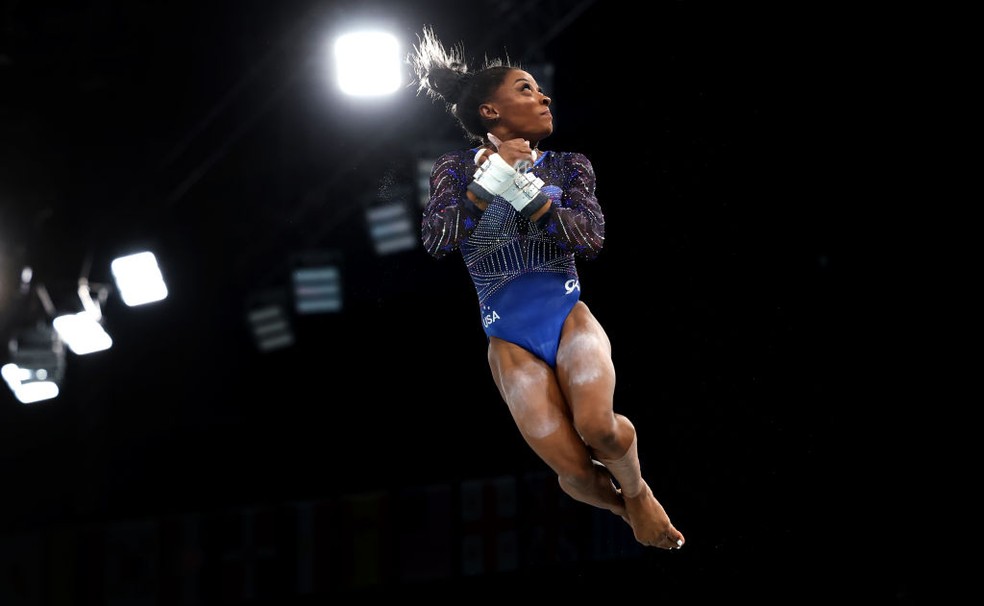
(529, 387)
(585, 370)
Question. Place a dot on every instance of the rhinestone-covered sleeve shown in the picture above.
(449, 216)
(577, 222)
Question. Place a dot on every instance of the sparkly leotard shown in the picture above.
(524, 271)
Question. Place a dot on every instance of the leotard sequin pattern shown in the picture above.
(498, 244)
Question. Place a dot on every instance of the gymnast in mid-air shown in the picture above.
(520, 217)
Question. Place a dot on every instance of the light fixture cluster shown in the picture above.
(37, 351)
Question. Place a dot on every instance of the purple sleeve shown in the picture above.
(576, 221)
(449, 215)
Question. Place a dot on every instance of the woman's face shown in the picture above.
(523, 108)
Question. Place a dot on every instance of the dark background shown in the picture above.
(211, 134)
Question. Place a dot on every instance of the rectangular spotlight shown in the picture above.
(37, 364)
(271, 326)
(82, 332)
(139, 279)
(391, 228)
(29, 385)
(317, 280)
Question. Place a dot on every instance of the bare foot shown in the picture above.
(650, 524)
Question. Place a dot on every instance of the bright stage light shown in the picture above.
(29, 386)
(82, 333)
(138, 279)
(369, 64)
(37, 364)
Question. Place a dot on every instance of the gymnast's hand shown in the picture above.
(513, 151)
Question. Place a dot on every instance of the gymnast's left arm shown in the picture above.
(574, 217)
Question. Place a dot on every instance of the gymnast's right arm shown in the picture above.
(450, 215)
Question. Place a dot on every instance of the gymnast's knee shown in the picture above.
(598, 429)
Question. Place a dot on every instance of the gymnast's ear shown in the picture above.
(487, 112)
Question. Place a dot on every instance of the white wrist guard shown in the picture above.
(493, 176)
(524, 194)
(521, 189)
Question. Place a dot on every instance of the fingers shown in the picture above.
(516, 149)
(498, 143)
